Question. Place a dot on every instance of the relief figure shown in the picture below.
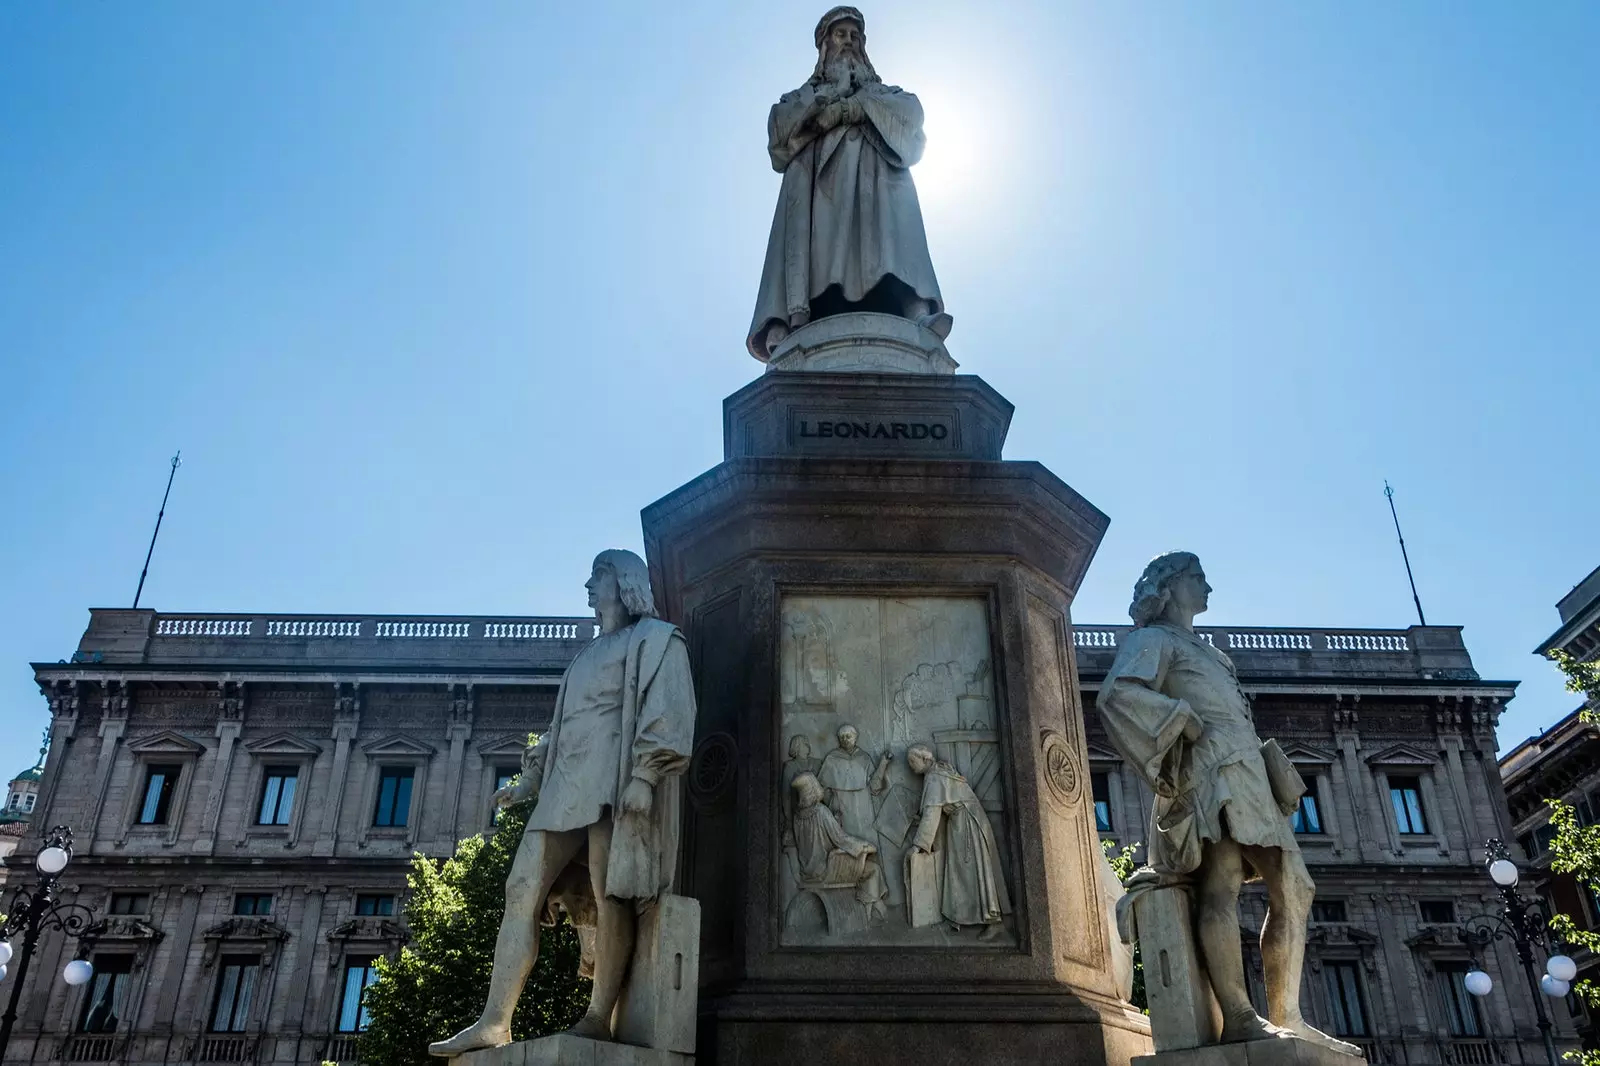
(954, 857)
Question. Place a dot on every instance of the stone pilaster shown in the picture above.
(230, 722)
(346, 723)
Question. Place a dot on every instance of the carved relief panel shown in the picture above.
(892, 800)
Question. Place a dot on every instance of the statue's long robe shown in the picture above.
(973, 888)
(654, 734)
(847, 213)
(1163, 679)
(847, 778)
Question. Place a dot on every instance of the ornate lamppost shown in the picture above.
(36, 909)
(1524, 923)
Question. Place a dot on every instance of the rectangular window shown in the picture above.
(277, 795)
(236, 984)
(394, 796)
(1405, 794)
(503, 776)
(130, 903)
(107, 996)
(160, 785)
(359, 972)
(1530, 845)
(27, 803)
(252, 903)
(368, 903)
(1306, 817)
(15, 802)
(1460, 1006)
(1343, 985)
(1329, 910)
(1437, 911)
(1101, 785)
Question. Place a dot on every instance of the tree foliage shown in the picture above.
(437, 984)
(1575, 848)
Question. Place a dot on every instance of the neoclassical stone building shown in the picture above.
(247, 791)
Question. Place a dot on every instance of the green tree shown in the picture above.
(437, 984)
(1575, 849)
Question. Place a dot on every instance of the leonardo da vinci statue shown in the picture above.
(847, 234)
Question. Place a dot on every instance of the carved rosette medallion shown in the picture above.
(1060, 768)
(711, 770)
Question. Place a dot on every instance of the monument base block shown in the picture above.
(566, 1050)
(1282, 1051)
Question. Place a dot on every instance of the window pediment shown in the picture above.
(1306, 755)
(122, 928)
(1403, 755)
(512, 744)
(398, 745)
(286, 744)
(247, 929)
(167, 742)
(1099, 753)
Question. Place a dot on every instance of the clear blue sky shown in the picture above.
(435, 297)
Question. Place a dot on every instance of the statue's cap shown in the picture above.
(839, 14)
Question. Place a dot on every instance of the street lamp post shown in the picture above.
(34, 910)
(1524, 923)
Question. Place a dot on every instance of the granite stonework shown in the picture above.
(923, 602)
(888, 416)
(862, 342)
(567, 1050)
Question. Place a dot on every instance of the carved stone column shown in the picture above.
(346, 723)
(230, 722)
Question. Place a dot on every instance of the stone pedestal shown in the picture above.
(1183, 1012)
(863, 342)
(565, 1050)
(1281, 1051)
(921, 597)
(657, 1006)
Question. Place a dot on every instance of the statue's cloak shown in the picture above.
(658, 712)
(847, 213)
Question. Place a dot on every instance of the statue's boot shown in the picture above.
(592, 1027)
(1304, 1031)
(475, 1037)
(1248, 1025)
(940, 324)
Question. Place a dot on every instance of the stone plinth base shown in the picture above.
(566, 1050)
(1183, 1012)
(863, 342)
(657, 1006)
(1281, 1051)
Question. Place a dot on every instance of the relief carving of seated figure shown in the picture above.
(826, 857)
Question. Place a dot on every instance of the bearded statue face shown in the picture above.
(843, 62)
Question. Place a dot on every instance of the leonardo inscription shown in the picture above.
(874, 430)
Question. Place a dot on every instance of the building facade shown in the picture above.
(248, 790)
(1563, 762)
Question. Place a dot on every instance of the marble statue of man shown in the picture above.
(1172, 706)
(826, 854)
(850, 778)
(847, 234)
(954, 826)
(606, 779)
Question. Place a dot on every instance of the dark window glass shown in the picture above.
(1343, 986)
(130, 903)
(160, 784)
(374, 904)
(252, 903)
(1437, 911)
(1543, 837)
(15, 802)
(1101, 785)
(394, 796)
(107, 995)
(1530, 845)
(277, 795)
(1329, 910)
(236, 984)
(1405, 795)
(1306, 818)
(503, 776)
(1460, 1007)
(358, 974)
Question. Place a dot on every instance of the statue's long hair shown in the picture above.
(1151, 592)
(633, 580)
